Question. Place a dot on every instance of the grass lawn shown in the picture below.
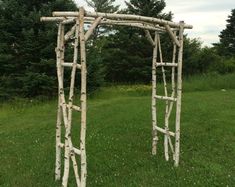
(119, 141)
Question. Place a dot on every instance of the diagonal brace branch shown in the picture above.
(172, 35)
(149, 37)
(92, 28)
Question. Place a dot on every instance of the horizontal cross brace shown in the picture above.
(75, 150)
(164, 131)
(77, 108)
(70, 64)
(167, 64)
(165, 98)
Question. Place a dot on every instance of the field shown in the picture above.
(119, 140)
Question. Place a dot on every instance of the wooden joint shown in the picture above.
(92, 28)
(164, 131)
(149, 37)
(70, 33)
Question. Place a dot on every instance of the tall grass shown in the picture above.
(204, 82)
(207, 82)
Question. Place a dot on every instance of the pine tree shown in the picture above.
(129, 53)
(151, 8)
(227, 37)
(27, 47)
(106, 6)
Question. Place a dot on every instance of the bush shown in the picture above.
(227, 66)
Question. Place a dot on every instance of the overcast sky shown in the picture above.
(207, 16)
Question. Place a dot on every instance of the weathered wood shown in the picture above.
(92, 28)
(179, 93)
(83, 98)
(154, 90)
(123, 17)
(172, 36)
(149, 37)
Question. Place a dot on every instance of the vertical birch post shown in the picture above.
(83, 97)
(71, 95)
(167, 102)
(172, 94)
(60, 59)
(154, 89)
(179, 92)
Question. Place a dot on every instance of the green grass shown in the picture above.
(211, 81)
(119, 141)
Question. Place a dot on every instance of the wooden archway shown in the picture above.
(65, 108)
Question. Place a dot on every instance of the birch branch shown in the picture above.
(70, 33)
(172, 35)
(122, 16)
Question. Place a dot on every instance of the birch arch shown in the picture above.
(66, 107)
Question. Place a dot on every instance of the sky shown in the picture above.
(208, 17)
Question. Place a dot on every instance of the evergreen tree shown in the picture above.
(129, 53)
(151, 8)
(227, 37)
(27, 65)
(106, 6)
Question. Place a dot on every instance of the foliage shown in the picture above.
(103, 5)
(226, 47)
(95, 69)
(127, 53)
(227, 65)
(126, 58)
(151, 8)
(27, 46)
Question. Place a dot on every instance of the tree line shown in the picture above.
(114, 54)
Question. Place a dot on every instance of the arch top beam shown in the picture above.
(122, 17)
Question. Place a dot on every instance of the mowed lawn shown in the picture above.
(119, 142)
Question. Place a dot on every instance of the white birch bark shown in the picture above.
(83, 98)
(121, 16)
(154, 90)
(60, 55)
(179, 93)
(167, 102)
